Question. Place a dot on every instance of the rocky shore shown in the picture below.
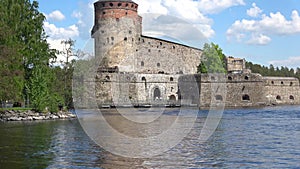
(29, 115)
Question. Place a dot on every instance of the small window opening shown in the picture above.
(107, 77)
(119, 4)
(103, 13)
(246, 77)
(246, 97)
(125, 39)
(143, 79)
(111, 4)
(272, 82)
(292, 97)
(142, 63)
(291, 84)
(158, 64)
(171, 79)
(219, 97)
(229, 78)
(282, 82)
(278, 97)
(213, 78)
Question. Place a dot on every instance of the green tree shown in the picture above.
(69, 54)
(27, 39)
(213, 59)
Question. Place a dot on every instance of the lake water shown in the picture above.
(245, 138)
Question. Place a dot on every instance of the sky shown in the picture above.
(261, 31)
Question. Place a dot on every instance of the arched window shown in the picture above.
(219, 97)
(229, 78)
(246, 97)
(111, 4)
(125, 39)
(142, 63)
(156, 94)
(119, 4)
(158, 64)
(107, 77)
(278, 97)
(272, 82)
(143, 79)
(292, 97)
(172, 98)
(282, 82)
(246, 77)
(291, 83)
(171, 79)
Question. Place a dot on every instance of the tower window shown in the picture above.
(272, 82)
(119, 4)
(292, 97)
(282, 82)
(132, 6)
(246, 77)
(291, 84)
(112, 38)
(103, 13)
(125, 39)
(160, 43)
(126, 5)
(142, 63)
(171, 79)
(158, 64)
(149, 50)
(229, 78)
(111, 4)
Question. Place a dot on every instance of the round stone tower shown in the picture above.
(116, 28)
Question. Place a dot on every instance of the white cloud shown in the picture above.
(261, 30)
(290, 62)
(254, 11)
(61, 33)
(259, 40)
(85, 16)
(216, 6)
(55, 16)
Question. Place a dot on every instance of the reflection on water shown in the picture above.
(255, 138)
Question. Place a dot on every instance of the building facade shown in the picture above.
(136, 70)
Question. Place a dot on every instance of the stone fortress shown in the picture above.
(136, 70)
